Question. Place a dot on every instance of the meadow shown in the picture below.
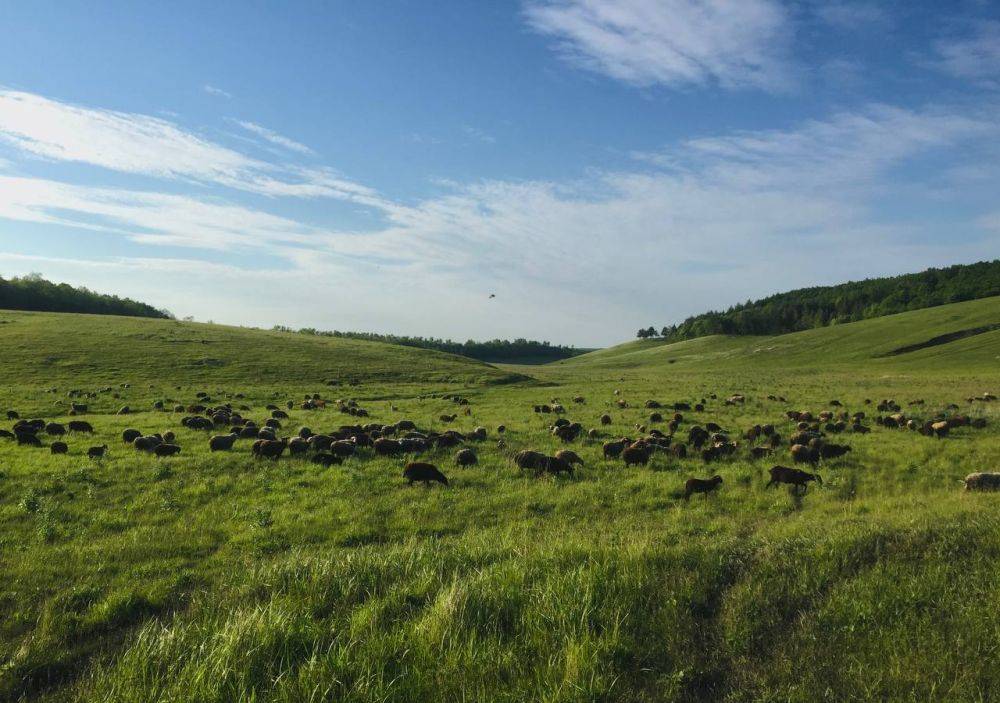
(216, 576)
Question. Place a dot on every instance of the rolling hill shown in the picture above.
(70, 349)
(960, 335)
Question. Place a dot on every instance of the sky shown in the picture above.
(596, 165)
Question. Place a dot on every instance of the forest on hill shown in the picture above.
(820, 306)
(517, 351)
(32, 292)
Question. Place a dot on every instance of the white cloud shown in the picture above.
(674, 43)
(212, 90)
(478, 134)
(975, 56)
(140, 144)
(851, 15)
(275, 138)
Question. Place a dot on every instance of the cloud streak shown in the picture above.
(275, 138)
(672, 43)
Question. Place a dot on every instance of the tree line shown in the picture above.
(495, 350)
(820, 306)
(32, 292)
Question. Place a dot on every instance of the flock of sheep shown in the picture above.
(808, 443)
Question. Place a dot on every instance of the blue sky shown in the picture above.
(598, 165)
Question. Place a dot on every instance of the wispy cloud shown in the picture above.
(974, 56)
(212, 90)
(851, 15)
(151, 146)
(478, 134)
(275, 138)
(675, 43)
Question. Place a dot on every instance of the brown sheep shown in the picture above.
(466, 457)
(982, 481)
(612, 450)
(702, 485)
(760, 452)
(222, 442)
(794, 477)
(802, 454)
(425, 473)
(636, 454)
(555, 466)
(326, 459)
(569, 457)
(679, 451)
(266, 448)
(529, 459)
(386, 447)
(162, 450)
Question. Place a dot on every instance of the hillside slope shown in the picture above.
(819, 306)
(58, 348)
(960, 334)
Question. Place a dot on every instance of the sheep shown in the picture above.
(343, 448)
(222, 442)
(387, 447)
(612, 450)
(162, 450)
(58, 448)
(701, 485)
(478, 434)
(12, 415)
(555, 466)
(679, 450)
(605, 419)
(79, 426)
(760, 452)
(268, 448)
(26, 438)
(568, 433)
(129, 435)
(802, 454)
(466, 457)
(832, 451)
(447, 418)
(940, 429)
(297, 446)
(54, 429)
(7, 434)
(795, 477)
(148, 443)
(427, 473)
(529, 459)
(97, 452)
(570, 457)
(326, 459)
(982, 481)
(636, 454)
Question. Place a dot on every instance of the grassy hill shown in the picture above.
(61, 349)
(214, 576)
(924, 337)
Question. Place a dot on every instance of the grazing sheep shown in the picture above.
(269, 448)
(568, 433)
(447, 418)
(28, 439)
(297, 446)
(802, 454)
(148, 443)
(940, 429)
(528, 459)
(79, 426)
(12, 415)
(570, 457)
(679, 451)
(130, 435)
(478, 434)
(222, 442)
(555, 466)
(7, 434)
(833, 451)
(162, 450)
(701, 485)
(426, 473)
(54, 429)
(387, 447)
(982, 481)
(605, 419)
(326, 459)
(795, 477)
(97, 452)
(760, 452)
(636, 454)
(466, 457)
(343, 448)
(612, 450)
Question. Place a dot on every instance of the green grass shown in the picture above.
(214, 577)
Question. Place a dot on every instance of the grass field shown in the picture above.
(218, 577)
